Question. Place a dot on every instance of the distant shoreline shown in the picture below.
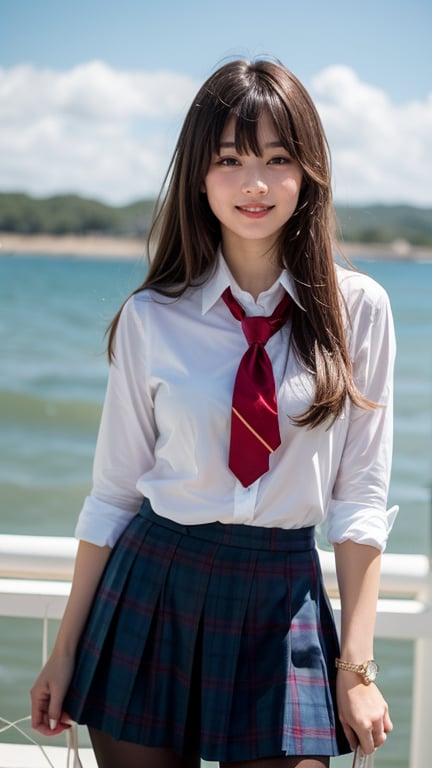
(81, 246)
(106, 247)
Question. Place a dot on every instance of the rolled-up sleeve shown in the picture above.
(358, 508)
(126, 438)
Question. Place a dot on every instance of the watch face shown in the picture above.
(371, 670)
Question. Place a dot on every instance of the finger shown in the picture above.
(40, 704)
(351, 736)
(378, 736)
(54, 708)
(66, 719)
(58, 728)
(45, 730)
(367, 742)
(388, 725)
(381, 729)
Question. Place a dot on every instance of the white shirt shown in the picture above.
(165, 426)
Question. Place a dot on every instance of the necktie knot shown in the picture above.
(257, 330)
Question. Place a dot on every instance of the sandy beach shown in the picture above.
(81, 246)
(103, 246)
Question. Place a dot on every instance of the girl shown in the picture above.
(249, 400)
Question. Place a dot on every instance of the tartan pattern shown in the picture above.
(196, 641)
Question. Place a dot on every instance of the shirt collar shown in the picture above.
(221, 278)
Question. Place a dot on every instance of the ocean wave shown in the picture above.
(32, 411)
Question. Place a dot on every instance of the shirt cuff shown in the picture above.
(363, 525)
(101, 523)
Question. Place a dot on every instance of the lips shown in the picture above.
(255, 211)
(254, 208)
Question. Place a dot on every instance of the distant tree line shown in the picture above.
(71, 214)
(386, 223)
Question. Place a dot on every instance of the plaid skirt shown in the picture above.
(212, 638)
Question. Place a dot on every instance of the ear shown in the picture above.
(203, 188)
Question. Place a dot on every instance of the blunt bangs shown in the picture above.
(246, 130)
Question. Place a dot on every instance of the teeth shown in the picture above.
(251, 209)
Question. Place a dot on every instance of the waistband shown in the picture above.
(238, 534)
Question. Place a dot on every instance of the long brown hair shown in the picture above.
(185, 234)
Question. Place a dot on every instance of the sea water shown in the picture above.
(53, 370)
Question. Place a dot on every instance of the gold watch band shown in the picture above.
(349, 666)
(368, 669)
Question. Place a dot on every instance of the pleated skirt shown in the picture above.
(211, 638)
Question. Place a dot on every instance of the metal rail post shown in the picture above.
(421, 752)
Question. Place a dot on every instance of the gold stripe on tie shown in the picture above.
(251, 429)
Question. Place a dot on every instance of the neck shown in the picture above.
(254, 269)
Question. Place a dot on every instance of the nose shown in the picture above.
(254, 184)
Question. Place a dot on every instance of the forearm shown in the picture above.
(89, 565)
(358, 571)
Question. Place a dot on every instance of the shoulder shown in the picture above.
(150, 309)
(147, 317)
(361, 293)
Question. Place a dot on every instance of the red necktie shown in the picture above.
(254, 418)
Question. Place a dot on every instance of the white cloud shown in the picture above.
(92, 91)
(91, 130)
(381, 151)
(110, 133)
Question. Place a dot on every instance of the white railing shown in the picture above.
(35, 575)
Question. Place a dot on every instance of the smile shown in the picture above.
(254, 210)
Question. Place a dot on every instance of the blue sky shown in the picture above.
(357, 59)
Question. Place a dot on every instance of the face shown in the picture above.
(252, 197)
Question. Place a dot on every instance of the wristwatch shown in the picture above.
(368, 670)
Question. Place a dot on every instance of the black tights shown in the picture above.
(123, 754)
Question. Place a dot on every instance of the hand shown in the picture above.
(47, 696)
(363, 712)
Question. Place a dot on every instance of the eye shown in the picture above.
(227, 162)
(280, 160)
